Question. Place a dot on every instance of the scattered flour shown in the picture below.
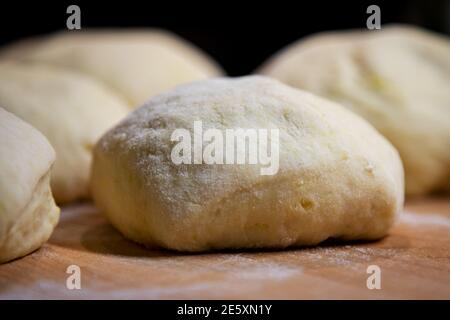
(228, 274)
(425, 219)
(234, 273)
(240, 267)
(52, 290)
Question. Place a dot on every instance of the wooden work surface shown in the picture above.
(414, 261)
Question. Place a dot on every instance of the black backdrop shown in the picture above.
(240, 35)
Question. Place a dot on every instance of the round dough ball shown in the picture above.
(337, 176)
(397, 78)
(136, 63)
(28, 213)
(70, 109)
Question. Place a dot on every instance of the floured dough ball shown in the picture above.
(136, 63)
(398, 78)
(336, 176)
(28, 212)
(70, 109)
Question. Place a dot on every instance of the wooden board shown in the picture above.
(414, 261)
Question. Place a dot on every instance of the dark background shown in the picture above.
(240, 35)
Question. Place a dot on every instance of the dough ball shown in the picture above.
(337, 176)
(397, 78)
(137, 63)
(70, 109)
(28, 212)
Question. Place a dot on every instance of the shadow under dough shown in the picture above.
(97, 235)
(103, 238)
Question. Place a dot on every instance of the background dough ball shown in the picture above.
(397, 78)
(137, 63)
(70, 109)
(338, 177)
(28, 212)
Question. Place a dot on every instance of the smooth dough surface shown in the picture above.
(28, 212)
(136, 63)
(338, 177)
(397, 78)
(70, 109)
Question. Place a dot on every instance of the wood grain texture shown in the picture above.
(414, 261)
